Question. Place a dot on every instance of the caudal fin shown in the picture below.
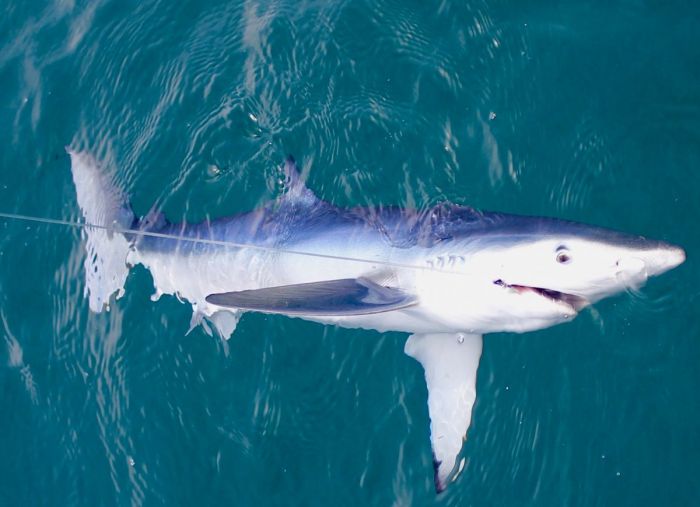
(102, 204)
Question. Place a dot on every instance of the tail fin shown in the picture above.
(101, 204)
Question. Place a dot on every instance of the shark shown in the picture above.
(446, 275)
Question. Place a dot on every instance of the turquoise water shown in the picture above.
(579, 110)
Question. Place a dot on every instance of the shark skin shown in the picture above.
(446, 275)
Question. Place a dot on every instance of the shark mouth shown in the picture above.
(575, 302)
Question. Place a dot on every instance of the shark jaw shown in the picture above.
(570, 302)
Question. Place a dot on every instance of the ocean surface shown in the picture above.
(582, 110)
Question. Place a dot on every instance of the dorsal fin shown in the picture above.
(296, 191)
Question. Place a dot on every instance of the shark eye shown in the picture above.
(563, 256)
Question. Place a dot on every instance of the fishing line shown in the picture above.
(272, 249)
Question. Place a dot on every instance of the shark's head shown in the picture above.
(542, 271)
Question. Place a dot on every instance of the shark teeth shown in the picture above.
(575, 302)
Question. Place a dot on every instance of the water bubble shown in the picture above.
(213, 170)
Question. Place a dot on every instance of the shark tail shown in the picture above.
(104, 207)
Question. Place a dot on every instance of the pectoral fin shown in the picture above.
(450, 362)
(349, 296)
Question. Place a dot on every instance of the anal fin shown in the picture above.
(450, 362)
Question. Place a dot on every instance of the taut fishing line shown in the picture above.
(232, 244)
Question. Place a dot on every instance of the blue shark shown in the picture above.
(446, 275)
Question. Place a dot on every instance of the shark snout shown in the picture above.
(665, 258)
(654, 261)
